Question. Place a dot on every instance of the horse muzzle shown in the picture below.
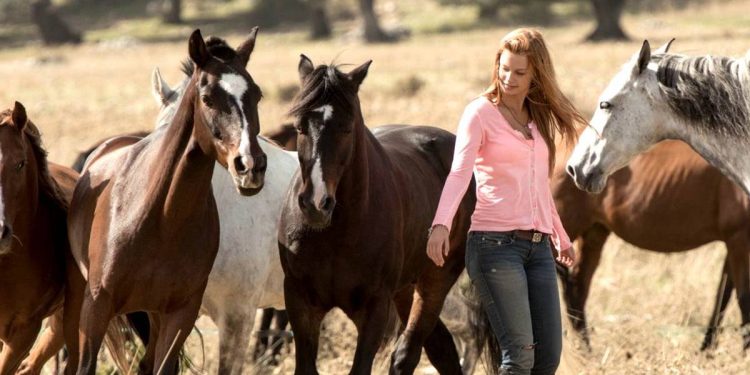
(591, 179)
(317, 212)
(249, 181)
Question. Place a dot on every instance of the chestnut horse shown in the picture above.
(668, 199)
(34, 197)
(353, 229)
(143, 223)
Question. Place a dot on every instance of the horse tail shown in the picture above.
(485, 341)
(138, 324)
(116, 339)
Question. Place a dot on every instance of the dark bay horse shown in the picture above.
(34, 198)
(668, 199)
(353, 228)
(143, 223)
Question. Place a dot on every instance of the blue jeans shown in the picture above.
(516, 281)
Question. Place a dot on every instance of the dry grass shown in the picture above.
(647, 310)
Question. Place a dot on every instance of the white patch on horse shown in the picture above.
(327, 111)
(317, 178)
(236, 86)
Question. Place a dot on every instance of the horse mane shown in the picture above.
(48, 187)
(217, 47)
(326, 84)
(713, 92)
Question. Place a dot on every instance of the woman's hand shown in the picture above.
(566, 257)
(438, 245)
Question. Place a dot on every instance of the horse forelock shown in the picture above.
(325, 85)
(710, 92)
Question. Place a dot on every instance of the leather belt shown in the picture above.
(529, 235)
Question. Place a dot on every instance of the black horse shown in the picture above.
(353, 229)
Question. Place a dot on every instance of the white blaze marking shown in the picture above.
(316, 177)
(327, 111)
(236, 86)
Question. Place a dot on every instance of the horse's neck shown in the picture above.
(727, 153)
(181, 175)
(357, 182)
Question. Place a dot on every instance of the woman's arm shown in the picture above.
(468, 141)
(560, 238)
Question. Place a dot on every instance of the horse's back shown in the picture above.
(434, 144)
(110, 149)
(65, 177)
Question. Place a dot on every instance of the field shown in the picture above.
(647, 310)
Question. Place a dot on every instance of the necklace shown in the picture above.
(523, 129)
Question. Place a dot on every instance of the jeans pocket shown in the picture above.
(490, 240)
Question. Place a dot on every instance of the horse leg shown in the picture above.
(261, 342)
(722, 300)
(49, 344)
(424, 327)
(739, 271)
(146, 366)
(371, 321)
(305, 319)
(234, 335)
(17, 346)
(576, 285)
(279, 339)
(96, 312)
(75, 287)
(174, 329)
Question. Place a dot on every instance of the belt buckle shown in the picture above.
(537, 237)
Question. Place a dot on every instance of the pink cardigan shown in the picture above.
(512, 175)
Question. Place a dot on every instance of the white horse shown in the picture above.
(704, 101)
(247, 272)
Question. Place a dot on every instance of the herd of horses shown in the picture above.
(204, 215)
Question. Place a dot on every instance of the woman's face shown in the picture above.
(514, 73)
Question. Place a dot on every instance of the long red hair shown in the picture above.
(549, 108)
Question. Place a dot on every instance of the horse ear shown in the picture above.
(160, 88)
(19, 116)
(643, 58)
(359, 73)
(246, 48)
(664, 48)
(305, 67)
(198, 50)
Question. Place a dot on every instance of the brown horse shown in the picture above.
(353, 229)
(34, 197)
(668, 200)
(143, 223)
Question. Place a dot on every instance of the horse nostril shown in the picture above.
(260, 164)
(327, 204)
(6, 231)
(571, 171)
(302, 202)
(239, 166)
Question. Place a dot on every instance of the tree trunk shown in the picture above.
(52, 28)
(607, 14)
(320, 26)
(271, 13)
(373, 32)
(488, 9)
(172, 11)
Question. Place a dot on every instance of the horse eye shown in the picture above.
(605, 105)
(206, 100)
(20, 165)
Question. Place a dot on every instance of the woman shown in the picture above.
(507, 138)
